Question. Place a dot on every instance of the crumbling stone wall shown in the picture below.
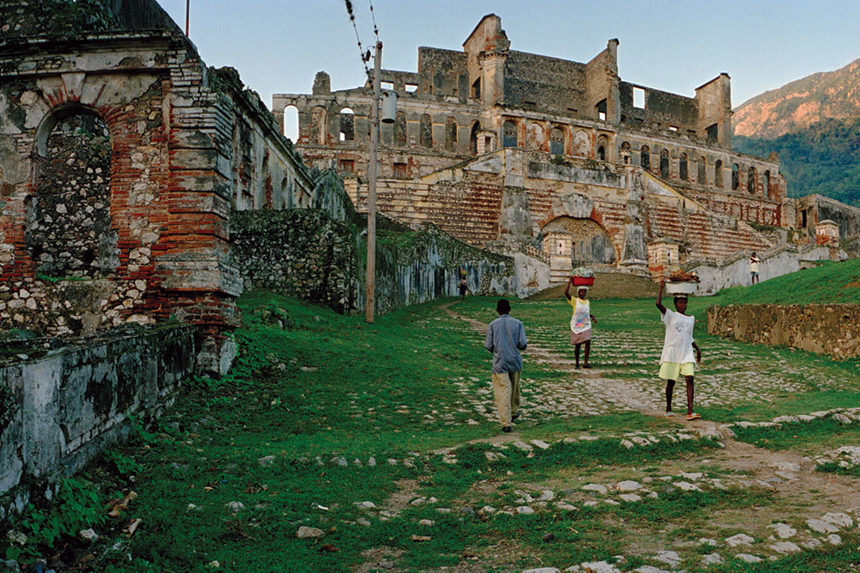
(832, 329)
(72, 402)
(298, 252)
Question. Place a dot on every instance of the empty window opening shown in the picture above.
(291, 123)
(664, 164)
(718, 173)
(347, 124)
(601, 110)
(476, 89)
(473, 138)
(639, 98)
(556, 141)
(645, 157)
(751, 180)
(803, 219)
(601, 153)
(451, 134)
(767, 183)
(701, 176)
(735, 176)
(682, 167)
(347, 165)
(712, 132)
(411, 88)
(400, 129)
(673, 128)
(509, 134)
(386, 85)
(426, 131)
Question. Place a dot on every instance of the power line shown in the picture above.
(365, 55)
(373, 16)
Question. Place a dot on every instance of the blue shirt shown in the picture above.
(505, 338)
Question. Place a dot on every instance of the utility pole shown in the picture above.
(187, 16)
(370, 274)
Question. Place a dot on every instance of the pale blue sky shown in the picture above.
(676, 46)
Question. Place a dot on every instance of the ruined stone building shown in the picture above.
(558, 159)
(121, 157)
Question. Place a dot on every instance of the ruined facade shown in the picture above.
(494, 145)
(121, 158)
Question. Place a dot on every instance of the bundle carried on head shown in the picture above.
(582, 276)
(683, 277)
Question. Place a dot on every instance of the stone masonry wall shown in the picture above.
(69, 403)
(298, 252)
(824, 329)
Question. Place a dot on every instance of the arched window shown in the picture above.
(767, 184)
(400, 129)
(664, 164)
(451, 134)
(601, 153)
(645, 157)
(625, 152)
(291, 123)
(426, 131)
(682, 168)
(718, 173)
(556, 141)
(735, 176)
(751, 180)
(473, 138)
(347, 124)
(68, 216)
(701, 176)
(509, 134)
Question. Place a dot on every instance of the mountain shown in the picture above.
(801, 103)
(822, 158)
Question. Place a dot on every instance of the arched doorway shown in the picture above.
(571, 242)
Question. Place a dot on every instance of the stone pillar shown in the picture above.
(634, 257)
(662, 258)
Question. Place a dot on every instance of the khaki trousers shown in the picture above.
(506, 388)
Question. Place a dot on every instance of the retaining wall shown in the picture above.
(62, 407)
(832, 329)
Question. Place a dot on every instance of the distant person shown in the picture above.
(754, 261)
(580, 321)
(463, 287)
(677, 358)
(506, 336)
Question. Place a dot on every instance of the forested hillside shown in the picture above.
(822, 158)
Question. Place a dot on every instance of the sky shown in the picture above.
(675, 46)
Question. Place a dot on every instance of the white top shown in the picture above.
(581, 319)
(678, 344)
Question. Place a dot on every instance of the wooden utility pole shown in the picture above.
(370, 274)
(187, 16)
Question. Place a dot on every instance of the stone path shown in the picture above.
(625, 379)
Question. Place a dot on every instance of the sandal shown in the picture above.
(693, 416)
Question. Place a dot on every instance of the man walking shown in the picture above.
(505, 338)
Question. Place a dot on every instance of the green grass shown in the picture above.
(832, 282)
(310, 387)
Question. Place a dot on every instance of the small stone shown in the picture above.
(670, 558)
(266, 460)
(628, 485)
(739, 539)
(426, 522)
(599, 567)
(542, 570)
(564, 506)
(595, 487)
(834, 539)
(821, 526)
(365, 505)
(525, 510)
(214, 564)
(541, 444)
(88, 535)
(305, 532)
(630, 497)
(687, 486)
(235, 506)
(840, 520)
(783, 530)
(747, 558)
(548, 537)
(785, 547)
(711, 559)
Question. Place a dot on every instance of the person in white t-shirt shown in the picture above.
(677, 358)
(580, 321)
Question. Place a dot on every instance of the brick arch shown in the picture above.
(591, 242)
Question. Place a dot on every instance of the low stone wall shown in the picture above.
(61, 407)
(832, 329)
(735, 271)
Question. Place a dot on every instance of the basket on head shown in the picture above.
(583, 281)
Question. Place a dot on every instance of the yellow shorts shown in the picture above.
(672, 370)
